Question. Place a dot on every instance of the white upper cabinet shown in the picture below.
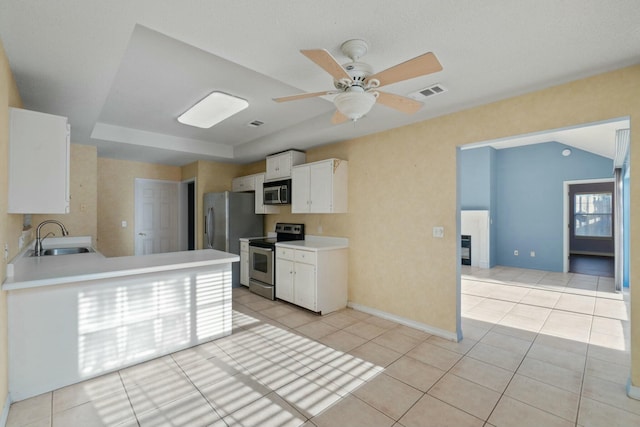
(279, 165)
(261, 208)
(254, 183)
(320, 187)
(244, 183)
(38, 163)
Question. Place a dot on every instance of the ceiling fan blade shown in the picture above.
(303, 95)
(338, 118)
(327, 62)
(418, 66)
(400, 103)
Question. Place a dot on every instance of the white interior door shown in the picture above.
(156, 216)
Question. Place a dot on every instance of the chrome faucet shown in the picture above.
(38, 246)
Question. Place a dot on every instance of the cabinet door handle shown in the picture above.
(142, 234)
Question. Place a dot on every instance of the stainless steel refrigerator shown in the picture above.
(229, 216)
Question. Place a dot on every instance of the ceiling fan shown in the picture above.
(356, 84)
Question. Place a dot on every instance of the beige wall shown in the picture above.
(82, 219)
(116, 192)
(115, 200)
(403, 182)
(252, 168)
(10, 225)
(395, 264)
(210, 177)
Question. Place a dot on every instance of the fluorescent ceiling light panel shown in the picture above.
(212, 110)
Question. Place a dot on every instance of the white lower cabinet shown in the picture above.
(313, 279)
(306, 286)
(244, 263)
(284, 279)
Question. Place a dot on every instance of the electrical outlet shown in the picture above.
(6, 251)
(438, 232)
(516, 253)
(533, 254)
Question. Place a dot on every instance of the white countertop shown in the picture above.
(317, 243)
(246, 239)
(29, 272)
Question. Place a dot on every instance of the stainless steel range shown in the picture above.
(262, 260)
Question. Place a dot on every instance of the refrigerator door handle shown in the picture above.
(207, 243)
(210, 227)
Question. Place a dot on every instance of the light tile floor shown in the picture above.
(540, 349)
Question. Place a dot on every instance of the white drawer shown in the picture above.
(308, 257)
(244, 246)
(285, 253)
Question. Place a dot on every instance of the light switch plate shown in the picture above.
(438, 232)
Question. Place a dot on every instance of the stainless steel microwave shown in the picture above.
(277, 192)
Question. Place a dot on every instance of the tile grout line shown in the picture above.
(135, 415)
(584, 371)
(520, 364)
(197, 388)
(51, 414)
(512, 376)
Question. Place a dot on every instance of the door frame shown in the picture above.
(183, 214)
(566, 219)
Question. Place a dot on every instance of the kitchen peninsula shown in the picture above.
(74, 317)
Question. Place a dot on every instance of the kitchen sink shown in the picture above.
(66, 251)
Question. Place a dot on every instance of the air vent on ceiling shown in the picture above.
(255, 123)
(428, 91)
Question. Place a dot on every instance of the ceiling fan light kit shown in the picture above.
(355, 81)
(355, 103)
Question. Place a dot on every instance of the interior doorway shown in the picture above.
(187, 215)
(591, 228)
(590, 234)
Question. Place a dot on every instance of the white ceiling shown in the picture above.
(598, 138)
(122, 70)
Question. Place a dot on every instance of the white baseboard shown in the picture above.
(404, 321)
(5, 411)
(633, 391)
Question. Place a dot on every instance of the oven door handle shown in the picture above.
(260, 248)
